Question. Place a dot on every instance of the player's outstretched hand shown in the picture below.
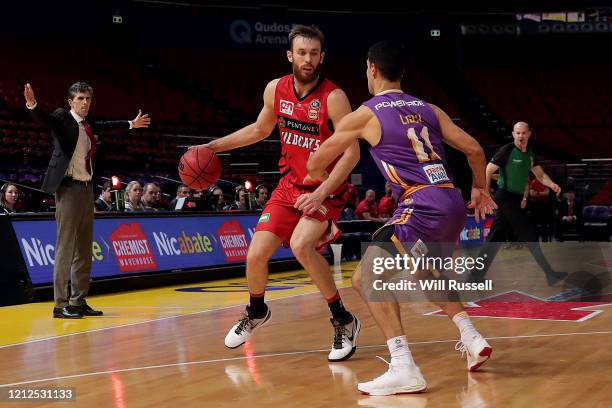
(28, 94)
(482, 203)
(141, 120)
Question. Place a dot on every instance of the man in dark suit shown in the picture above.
(69, 177)
(569, 218)
(104, 203)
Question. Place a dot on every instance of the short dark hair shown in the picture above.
(79, 87)
(305, 31)
(389, 57)
(107, 185)
(182, 186)
(147, 185)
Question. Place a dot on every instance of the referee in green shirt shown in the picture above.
(514, 162)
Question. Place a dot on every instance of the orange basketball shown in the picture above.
(199, 168)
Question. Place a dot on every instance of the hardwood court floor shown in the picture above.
(164, 348)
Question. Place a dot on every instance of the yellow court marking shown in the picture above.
(34, 321)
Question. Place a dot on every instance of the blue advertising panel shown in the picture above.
(135, 245)
(475, 233)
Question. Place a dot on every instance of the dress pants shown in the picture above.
(74, 216)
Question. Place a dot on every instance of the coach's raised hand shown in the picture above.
(141, 120)
(28, 94)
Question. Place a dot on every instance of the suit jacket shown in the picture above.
(564, 210)
(101, 205)
(65, 132)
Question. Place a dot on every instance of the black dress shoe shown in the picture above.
(68, 312)
(86, 310)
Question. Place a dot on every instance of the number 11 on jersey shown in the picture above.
(418, 146)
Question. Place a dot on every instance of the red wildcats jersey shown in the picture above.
(303, 124)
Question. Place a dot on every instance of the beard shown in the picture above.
(304, 78)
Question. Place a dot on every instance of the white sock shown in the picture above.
(400, 352)
(466, 329)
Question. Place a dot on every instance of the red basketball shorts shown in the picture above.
(280, 217)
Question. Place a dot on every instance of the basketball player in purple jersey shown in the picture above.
(406, 136)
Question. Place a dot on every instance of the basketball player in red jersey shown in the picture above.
(303, 104)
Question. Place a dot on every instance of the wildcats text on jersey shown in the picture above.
(309, 143)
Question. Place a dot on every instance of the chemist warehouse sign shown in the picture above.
(135, 245)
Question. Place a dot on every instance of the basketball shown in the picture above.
(199, 168)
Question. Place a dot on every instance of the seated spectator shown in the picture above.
(218, 198)
(387, 204)
(133, 194)
(9, 194)
(181, 192)
(368, 209)
(151, 197)
(261, 197)
(569, 217)
(104, 202)
(239, 200)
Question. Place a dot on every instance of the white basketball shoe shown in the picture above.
(345, 339)
(397, 380)
(477, 349)
(242, 330)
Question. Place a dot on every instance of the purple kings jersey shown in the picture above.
(410, 149)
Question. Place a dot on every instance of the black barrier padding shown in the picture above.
(15, 284)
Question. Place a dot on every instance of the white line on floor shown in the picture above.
(219, 360)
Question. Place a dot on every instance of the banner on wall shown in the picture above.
(135, 245)
(262, 33)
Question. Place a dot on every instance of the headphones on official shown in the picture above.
(259, 187)
(212, 189)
